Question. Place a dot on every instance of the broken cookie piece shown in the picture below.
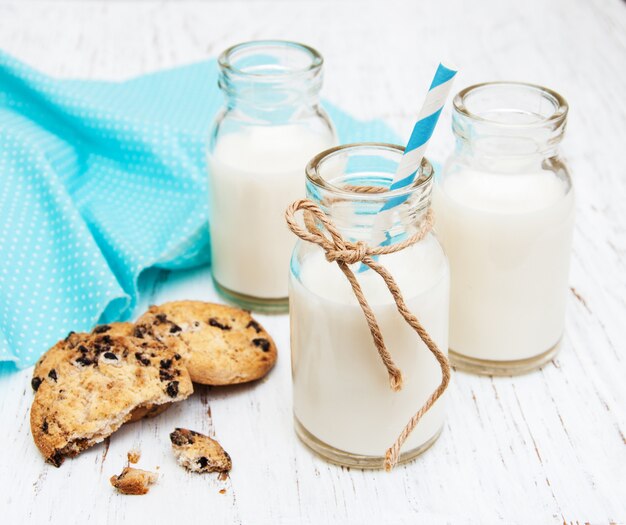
(88, 386)
(199, 453)
(134, 481)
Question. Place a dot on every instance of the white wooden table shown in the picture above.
(548, 447)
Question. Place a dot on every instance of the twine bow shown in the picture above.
(345, 253)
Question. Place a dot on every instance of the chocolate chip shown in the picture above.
(101, 329)
(164, 375)
(84, 361)
(263, 344)
(161, 318)
(139, 331)
(177, 357)
(35, 382)
(143, 360)
(255, 325)
(69, 335)
(165, 363)
(56, 459)
(83, 349)
(53, 375)
(110, 355)
(172, 389)
(181, 437)
(214, 322)
(175, 328)
(44, 426)
(203, 462)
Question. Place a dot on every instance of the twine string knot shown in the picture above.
(350, 253)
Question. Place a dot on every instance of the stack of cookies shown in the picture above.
(89, 384)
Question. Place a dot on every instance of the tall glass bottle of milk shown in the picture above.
(270, 127)
(344, 408)
(504, 211)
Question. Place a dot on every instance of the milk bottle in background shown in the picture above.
(261, 142)
(504, 212)
(344, 408)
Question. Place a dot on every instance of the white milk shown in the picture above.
(255, 175)
(341, 387)
(508, 239)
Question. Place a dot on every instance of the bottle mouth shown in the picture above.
(511, 105)
(270, 59)
(364, 171)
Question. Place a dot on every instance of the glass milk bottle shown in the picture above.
(344, 408)
(504, 211)
(269, 129)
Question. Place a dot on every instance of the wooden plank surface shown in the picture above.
(549, 447)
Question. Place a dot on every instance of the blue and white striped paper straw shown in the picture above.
(423, 130)
(415, 149)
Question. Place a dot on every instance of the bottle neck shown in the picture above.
(271, 100)
(351, 185)
(508, 126)
(271, 80)
(362, 220)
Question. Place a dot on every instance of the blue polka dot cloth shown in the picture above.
(100, 181)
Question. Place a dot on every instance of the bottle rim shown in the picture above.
(461, 104)
(227, 58)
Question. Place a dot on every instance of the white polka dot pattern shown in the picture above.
(98, 182)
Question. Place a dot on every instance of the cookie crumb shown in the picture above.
(222, 491)
(133, 456)
(134, 481)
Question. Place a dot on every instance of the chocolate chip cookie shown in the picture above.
(88, 385)
(225, 345)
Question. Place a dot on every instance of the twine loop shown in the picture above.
(345, 253)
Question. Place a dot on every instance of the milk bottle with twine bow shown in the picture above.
(369, 296)
(363, 342)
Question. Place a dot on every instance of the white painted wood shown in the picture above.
(549, 447)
